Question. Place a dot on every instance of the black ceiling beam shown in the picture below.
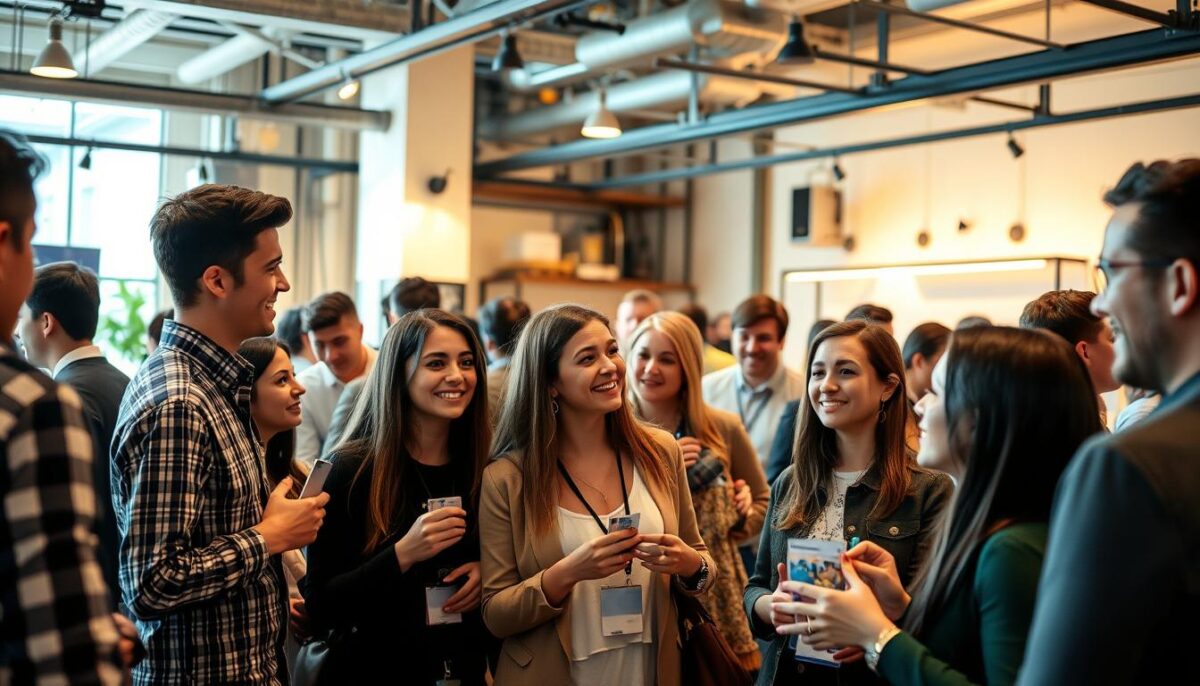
(838, 57)
(1170, 21)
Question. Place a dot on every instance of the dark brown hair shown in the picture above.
(501, 320)
(1067, 313)
(756, 308)
(1011, 450)
(928, 339)
(1168, 214)
(327, 309)
(280, 451)
(69, 292)
(529, 426)
(20, 166)
(381, 429)
(815, 453)
(211, 225)
(870, 313)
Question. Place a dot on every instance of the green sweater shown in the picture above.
(978, 637)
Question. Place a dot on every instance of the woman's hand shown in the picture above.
(772, 611)
(835, 619)
(691, 448)
(469, 596)
(877, 568)
(432, 533)
(668, 554)
(603, 556)
(298, 620)
(742, 498)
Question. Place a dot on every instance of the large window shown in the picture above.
(101, 199)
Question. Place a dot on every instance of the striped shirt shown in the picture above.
(56, 627)
(188, 486)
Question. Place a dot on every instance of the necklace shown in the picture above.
(607, 507)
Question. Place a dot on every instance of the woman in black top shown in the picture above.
(418, 433)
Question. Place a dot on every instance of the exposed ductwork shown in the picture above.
(136, 28)
(229, 55)
(723, 28)
(664, 89)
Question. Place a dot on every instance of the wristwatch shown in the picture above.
(876, 649)
(697, 580)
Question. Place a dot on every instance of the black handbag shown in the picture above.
(707, 658)
(312, 658)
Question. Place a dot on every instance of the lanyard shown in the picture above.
(579, 494)
(750, 421)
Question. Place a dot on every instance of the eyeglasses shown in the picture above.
(1105, 269)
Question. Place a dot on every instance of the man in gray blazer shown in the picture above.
(1120, 589)
(56, 327)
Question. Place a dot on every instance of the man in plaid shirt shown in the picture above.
(56, 625)
(201, 530)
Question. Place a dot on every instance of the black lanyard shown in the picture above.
(578, 494)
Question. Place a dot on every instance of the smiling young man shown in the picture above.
(759, 386)
(1120, 589)
(336, 332)
(201, 530)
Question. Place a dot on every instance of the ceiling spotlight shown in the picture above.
(838, 172)
(54, 62)
(601, 123)
(796, 50)
(348, 89)
(86, 161)
(507, 56)
(202, 171)
(1014, 147)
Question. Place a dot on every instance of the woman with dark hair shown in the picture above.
(393, 577)
(969, 616)
(570, 460)
(851, 479)
(275, 408)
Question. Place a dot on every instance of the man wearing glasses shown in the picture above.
(1119, 598)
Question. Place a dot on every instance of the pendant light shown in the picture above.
(54, 62)
(601, 123)
(796, 50)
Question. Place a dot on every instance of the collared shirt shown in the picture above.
(56, 627)
(189, 485)
(87, 352)
(760, 408)
(322, 390)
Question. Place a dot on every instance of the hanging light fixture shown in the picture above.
(838, 172)
(1014, 147)
(349, 87)
(796, 50)
(601, 123)
(507, 57)
(54, 62)
(86, 161)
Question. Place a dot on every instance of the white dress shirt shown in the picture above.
(87, 352)
(322, 390)
(760, 408)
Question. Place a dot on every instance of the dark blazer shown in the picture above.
(101, 387)
(785, 439)
(907, 533)
(1120, 591)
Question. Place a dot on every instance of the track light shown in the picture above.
(796, 50)
(1014, 147)
(507, 56)
(601, 123)
(348, 89)
(54, 62)
(202, 172)
(86, 161)
(838, 172)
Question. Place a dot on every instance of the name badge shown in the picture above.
(436, 598)
(620, 610)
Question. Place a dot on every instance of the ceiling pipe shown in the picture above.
(135, 29)
(473, 26)
(233, 53)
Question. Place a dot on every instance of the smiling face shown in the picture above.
(250, 306)
(340, 347)
(657, 373)
(935, 431)
(757, 349)
(441, 379)
(843, 387)
(591, 372)
(276, 404)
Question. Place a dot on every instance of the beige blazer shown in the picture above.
(536, 634)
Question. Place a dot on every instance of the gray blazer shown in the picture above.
(907, 533)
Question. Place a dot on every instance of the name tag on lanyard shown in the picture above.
(620, 610)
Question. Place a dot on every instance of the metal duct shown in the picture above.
(931, 5)
(664, 89)
(227, 56)
(724, 28)
(136, 28)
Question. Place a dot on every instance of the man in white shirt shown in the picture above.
(635, 306)
(336, 332)
(759, 386)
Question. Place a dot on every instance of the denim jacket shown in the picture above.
(907, 533)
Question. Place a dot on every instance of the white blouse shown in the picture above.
(831, 523)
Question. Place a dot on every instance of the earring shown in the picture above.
(882, 412)
(554, 406)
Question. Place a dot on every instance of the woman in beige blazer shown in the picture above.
(568, 452)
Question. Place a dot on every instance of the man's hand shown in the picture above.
(290, 523)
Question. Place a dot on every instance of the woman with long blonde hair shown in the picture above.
(571, 467)
(729, 489)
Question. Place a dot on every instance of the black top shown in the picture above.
(784, 443)
(1120, 591)
(379, 609)
(100, 386)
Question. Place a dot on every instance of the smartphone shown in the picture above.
(316, 478)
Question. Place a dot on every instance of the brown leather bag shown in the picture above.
(707, 658)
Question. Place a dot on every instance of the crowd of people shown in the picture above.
(542, 497)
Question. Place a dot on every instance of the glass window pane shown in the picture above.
(113, 204)
(124, 315)
(51, 190)
(118, 123)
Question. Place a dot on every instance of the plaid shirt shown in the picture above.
(188, 486)
(55, 624)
